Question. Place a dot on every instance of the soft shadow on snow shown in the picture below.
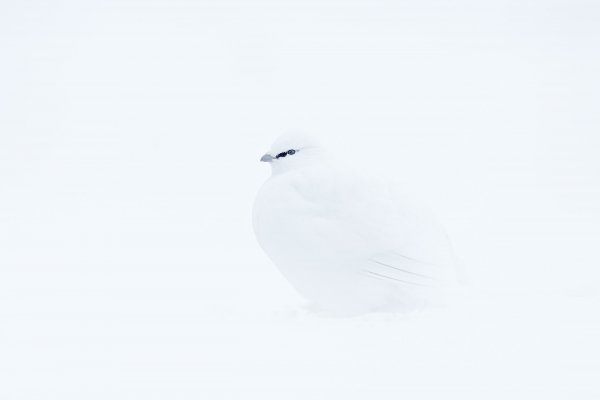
(492, 345)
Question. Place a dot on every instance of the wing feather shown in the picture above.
(396, 267)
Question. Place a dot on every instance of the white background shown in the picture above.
(130, 133)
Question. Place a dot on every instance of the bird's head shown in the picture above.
(291, 151)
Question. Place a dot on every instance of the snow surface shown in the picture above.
(130, 134)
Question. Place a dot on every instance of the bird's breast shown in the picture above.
(295, 229)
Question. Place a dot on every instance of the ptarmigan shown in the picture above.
(347, 243)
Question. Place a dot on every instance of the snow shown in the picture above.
(147, 338)
(130, 134)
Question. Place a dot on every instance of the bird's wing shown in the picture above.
(400, 269)
(393, 236)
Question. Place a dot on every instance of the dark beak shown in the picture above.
(266, 158)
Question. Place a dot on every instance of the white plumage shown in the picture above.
(347, 243)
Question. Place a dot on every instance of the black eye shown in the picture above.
(281, 154)
(291, 152)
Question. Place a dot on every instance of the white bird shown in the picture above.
(347, 243)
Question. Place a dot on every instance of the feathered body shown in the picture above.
(345, 242)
